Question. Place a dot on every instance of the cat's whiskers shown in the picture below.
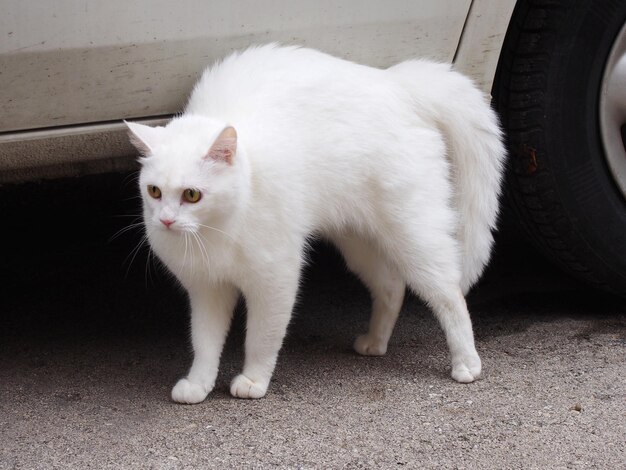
(147, 268)
(197, 232)
(192, 254)
(199, 237)
(136, 216)
(132, 198)
(131, 178)
(149, 262)
(185, 255)
(133, 254)
(123, 230)
(203, 252)
(217, 230)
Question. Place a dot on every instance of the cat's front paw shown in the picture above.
(367, 345)
(243, 387)
(466, 367)
(188, 392)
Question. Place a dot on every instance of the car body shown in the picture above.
(71, 71)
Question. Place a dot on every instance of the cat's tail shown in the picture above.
(475, 149)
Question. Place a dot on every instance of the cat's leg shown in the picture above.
(450, 308)
(269, 301)
(211, 313)
(432, 269)
(386, 287)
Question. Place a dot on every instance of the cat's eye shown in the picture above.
(154, 191)
(191, 195)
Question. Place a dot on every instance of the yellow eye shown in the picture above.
(154, 191)
(191, 195)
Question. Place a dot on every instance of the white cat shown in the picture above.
(399, 168)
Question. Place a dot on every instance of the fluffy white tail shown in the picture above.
(475, 149)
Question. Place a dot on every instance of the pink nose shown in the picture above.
(166, 222)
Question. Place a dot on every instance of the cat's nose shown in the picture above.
(167, 222)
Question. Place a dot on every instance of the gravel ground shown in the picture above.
(90, 347)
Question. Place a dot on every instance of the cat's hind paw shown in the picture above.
(367, 345)
(243, 387)
(188, 392)
(466, 369)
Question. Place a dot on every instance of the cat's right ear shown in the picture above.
(224, 147)
(144, 138)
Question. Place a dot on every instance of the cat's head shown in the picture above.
(190, 175)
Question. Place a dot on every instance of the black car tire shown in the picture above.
(547, 92)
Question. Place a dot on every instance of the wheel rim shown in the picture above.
(613, 110)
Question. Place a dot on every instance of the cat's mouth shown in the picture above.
(174, 228)
(171, 227)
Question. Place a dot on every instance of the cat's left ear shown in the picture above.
(144, 138)
(224, 147)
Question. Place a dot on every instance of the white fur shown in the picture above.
(400, 168)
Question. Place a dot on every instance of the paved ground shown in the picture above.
(90, 347)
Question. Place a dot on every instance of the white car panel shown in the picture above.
(70, 70)
(72, 62)
(481, 43)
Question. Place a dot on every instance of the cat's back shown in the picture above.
(271, 78)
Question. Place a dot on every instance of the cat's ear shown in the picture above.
(224, 147)
(144, 138)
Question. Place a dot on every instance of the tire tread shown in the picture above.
(519, 95)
